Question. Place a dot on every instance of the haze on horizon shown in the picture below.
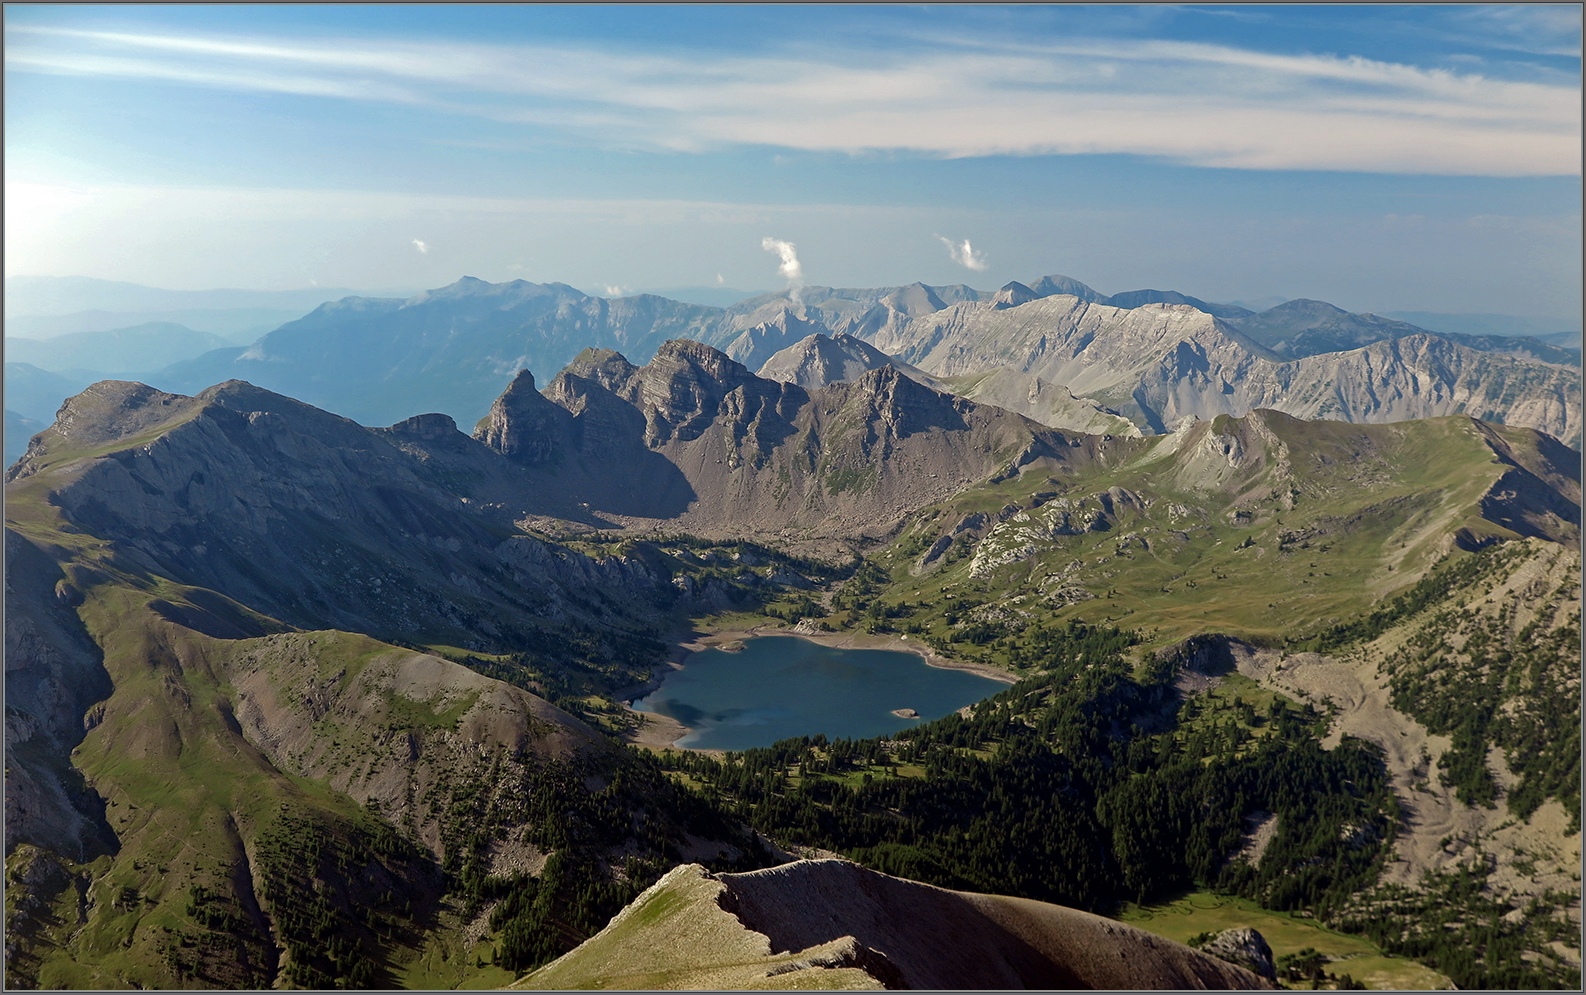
(1381, 158)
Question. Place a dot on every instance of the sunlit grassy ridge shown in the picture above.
(1317, 522)
(1199, 912)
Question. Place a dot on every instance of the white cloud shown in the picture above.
(788, 253)
(964, 254)
(197, 237)
(423, 249)
(1194, 103)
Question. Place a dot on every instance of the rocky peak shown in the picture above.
(434, 428)
(898, 406)
(818, 360)
(606, 367)
(117, 409)
(1302, 313)
(761, 341)
(1130, 299)
(1245, 947)
(681, 390)
(428, 426)
(1013, 294)
(914, 299)
(1057, 283)
(523, 425)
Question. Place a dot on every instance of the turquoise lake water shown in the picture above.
(778, 687)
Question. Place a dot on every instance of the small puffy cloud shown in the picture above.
(788, 253)
(720, 280)
(616, 289)
(964, 254)
(423, 249)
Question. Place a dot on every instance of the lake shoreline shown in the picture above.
(660, 732)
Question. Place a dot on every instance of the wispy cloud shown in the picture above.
(788, 253)
(964, 254)
(1198, 104)
(424, 249)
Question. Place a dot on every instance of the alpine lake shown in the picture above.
(780, 687)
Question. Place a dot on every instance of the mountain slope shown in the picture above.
(817, 360)
(37, 394)
(1307, 328)
(724, 451)
(1160, 362)
(379, 361)
(216, 776)
(1263, 527)
(238, 326)
(139, 348)
(824, 924)
(1039, 401)
(18, 430)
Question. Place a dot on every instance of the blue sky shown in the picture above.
(1379, 157)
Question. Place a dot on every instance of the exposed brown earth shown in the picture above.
(833, 924)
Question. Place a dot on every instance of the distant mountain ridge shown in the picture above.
(1158, 363)
(139, 349)
(380, 360)
(59, 295)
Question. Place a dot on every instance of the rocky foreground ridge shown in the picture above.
(827, 924)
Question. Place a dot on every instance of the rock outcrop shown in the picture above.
(523, 426)
(693, 437)
(1247, 948)
(818, 360)
(834, 924)
(1158, 363)
(1050, 404)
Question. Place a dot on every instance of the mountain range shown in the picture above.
(379, 360)
(296, 701)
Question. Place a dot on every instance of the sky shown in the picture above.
(1378, 157)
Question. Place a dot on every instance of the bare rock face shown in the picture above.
(701, 440)
(1160, 362)
(428, 427)
(757, 344)
(1050, 404)
(689, 387)
(522, 425)
(1245, 947)
(436, 429)
(1057, 283)
(834, 924)
(818, 360)
(1012, 295)
(53, 676)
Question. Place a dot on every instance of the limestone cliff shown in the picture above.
(1158, 363)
